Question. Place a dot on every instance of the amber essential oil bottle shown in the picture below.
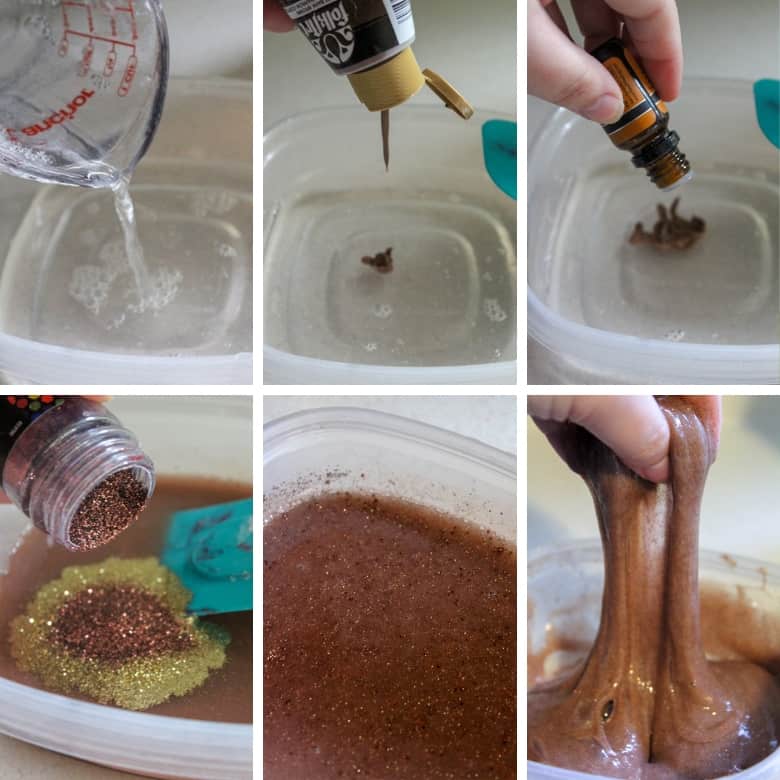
(643, 129)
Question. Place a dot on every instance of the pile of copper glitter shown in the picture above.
(117, 632)
(117, 623)
(671, 232)
(107, 510)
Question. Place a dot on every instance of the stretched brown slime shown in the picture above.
(648, 703)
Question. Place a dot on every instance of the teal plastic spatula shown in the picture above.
(210, 551)
(499, 147)
(767, 95)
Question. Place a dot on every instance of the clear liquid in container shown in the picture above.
(723, 290)
(449, 299)
(167, 272)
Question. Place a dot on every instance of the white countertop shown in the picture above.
(20, 761)
(492, 420)
(740, 507)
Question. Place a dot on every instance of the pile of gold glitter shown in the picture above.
(158, 650)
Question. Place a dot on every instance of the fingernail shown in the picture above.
(658, 472)
(606, 110)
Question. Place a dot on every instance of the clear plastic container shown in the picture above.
(565, 588)
(152, 745)
(608, 311)
(368, 451)
(65, 285)
(447, 312)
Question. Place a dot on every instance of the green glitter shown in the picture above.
(139, 683)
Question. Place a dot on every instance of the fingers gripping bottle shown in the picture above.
(643, 130)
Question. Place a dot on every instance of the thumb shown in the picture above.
(563, 73)
(634, 427)
(274, 17)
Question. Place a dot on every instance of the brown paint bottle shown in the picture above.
(643, 130)
(370, 42)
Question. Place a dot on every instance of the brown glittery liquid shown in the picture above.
(227, 694)
(390, 641)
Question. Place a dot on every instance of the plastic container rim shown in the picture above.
(283, 429)
(337, 111)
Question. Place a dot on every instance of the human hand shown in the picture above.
(633, 426)
(274, 17)
(561, 72)
(100, 399)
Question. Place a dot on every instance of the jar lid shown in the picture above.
(451, 97)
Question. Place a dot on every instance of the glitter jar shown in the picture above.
(55, 451)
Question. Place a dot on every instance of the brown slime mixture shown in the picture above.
(227, 694)
(648, 703)
(390, 644)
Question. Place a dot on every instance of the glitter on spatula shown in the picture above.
(117, 632)
(107, 510)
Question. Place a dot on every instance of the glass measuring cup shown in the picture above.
(82, 84)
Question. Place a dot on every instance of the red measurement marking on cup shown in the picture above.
(79, 22)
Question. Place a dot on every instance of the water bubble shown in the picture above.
(163, 288)
(206, 202)
(225, 250)
(371, 346)
(382, 310)
(90, 285)
(674, 335)
(493, 310)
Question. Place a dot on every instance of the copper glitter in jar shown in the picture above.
(107, 510)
